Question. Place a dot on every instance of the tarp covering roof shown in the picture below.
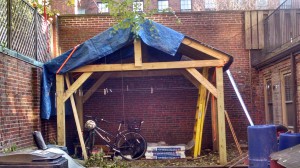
(161, 40)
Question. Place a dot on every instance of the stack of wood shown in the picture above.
(165, 152)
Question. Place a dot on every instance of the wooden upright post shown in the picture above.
(137, 52)
(60, 111)
(221, 116)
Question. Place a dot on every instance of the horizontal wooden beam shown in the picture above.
(76, 85)
(197, 75)
(151, 66)
(148, 73)
(207, 50)
(95, 86)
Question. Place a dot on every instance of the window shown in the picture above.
(186, 5)
(162, 4)
(102, 7)
(261, 4)
(269, 101)
(210, 5)
(288, 111)
(138, 6)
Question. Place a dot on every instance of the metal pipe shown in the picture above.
(239, 97)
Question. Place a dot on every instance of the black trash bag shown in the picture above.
(39, 140)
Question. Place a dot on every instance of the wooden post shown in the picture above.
(221, 116)
(214, 123)
(137, 52)
(79, 131)
(79, 102)
(60, 111)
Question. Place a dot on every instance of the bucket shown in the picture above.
(287, 140)
(262, 141)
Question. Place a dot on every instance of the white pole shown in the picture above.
(239, 97)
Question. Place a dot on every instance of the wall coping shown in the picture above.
(20, 56)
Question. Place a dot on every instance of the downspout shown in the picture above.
(294, 90)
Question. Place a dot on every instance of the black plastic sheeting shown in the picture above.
(109, 43)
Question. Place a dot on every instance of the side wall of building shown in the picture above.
(19, 102)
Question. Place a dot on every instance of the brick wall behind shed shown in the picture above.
(19, 102)
(223, 30)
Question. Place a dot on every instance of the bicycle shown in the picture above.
(131, 145)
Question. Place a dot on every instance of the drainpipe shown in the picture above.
(294, 90)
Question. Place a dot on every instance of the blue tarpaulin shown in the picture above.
(161, 40)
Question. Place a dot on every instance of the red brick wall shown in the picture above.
(223, 30)
(19, 102)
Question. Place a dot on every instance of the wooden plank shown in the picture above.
(221, 116)
(79, 131)
(261, 33)
(294, 22)
(151, 66)
(282, 27)
(60, 111)
(148, 73)
(254, 36)
(233, 134)
(214, 122)
(76, 85)
(95, 86)
(137, 52)
(197, 124)
(78, 102)
(207, 50)
(248, 29)
(197, 75)
(188, 76)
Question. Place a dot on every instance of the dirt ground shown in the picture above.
(208, 158)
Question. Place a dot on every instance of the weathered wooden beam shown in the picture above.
(188, 76)
(95, 86)
(202, 48)
(221, 116)
(76, 85)
(151, 66)
(248, 30)
(147, 73)
(137, 52)
(77, 122)
(254, 37)
(60, 111)
(260, 28)
(197, 75)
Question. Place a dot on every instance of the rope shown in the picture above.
(67, 59)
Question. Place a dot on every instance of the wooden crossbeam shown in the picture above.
(151, 66)
(188, 76)
(76, 85)
(137, 52)
(197, 75)
(75, 114)
(202, 48)
(95, 86)
(60, 111)
(221, 116)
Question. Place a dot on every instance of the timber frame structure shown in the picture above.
(199, 56)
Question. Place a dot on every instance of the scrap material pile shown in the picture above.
(165, 152)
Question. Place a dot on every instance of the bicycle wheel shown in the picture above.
(132, 145)
(89, 143)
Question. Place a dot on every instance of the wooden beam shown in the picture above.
(76, 85)
(221, 116)
(60, 111)
(188, 76)
(260, 27)
(95, 86)
(79, 131)
(214, 123)
(78, 102)
(151, 66)
(254, 35)
(197, 75)
(137, 52)
(207, 50)
(247, 29)
(148, 73)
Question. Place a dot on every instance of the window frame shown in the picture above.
(158, 6)
(100, 7)
(266, 97)
(186, 4)
(284, 102)
(142, 6)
